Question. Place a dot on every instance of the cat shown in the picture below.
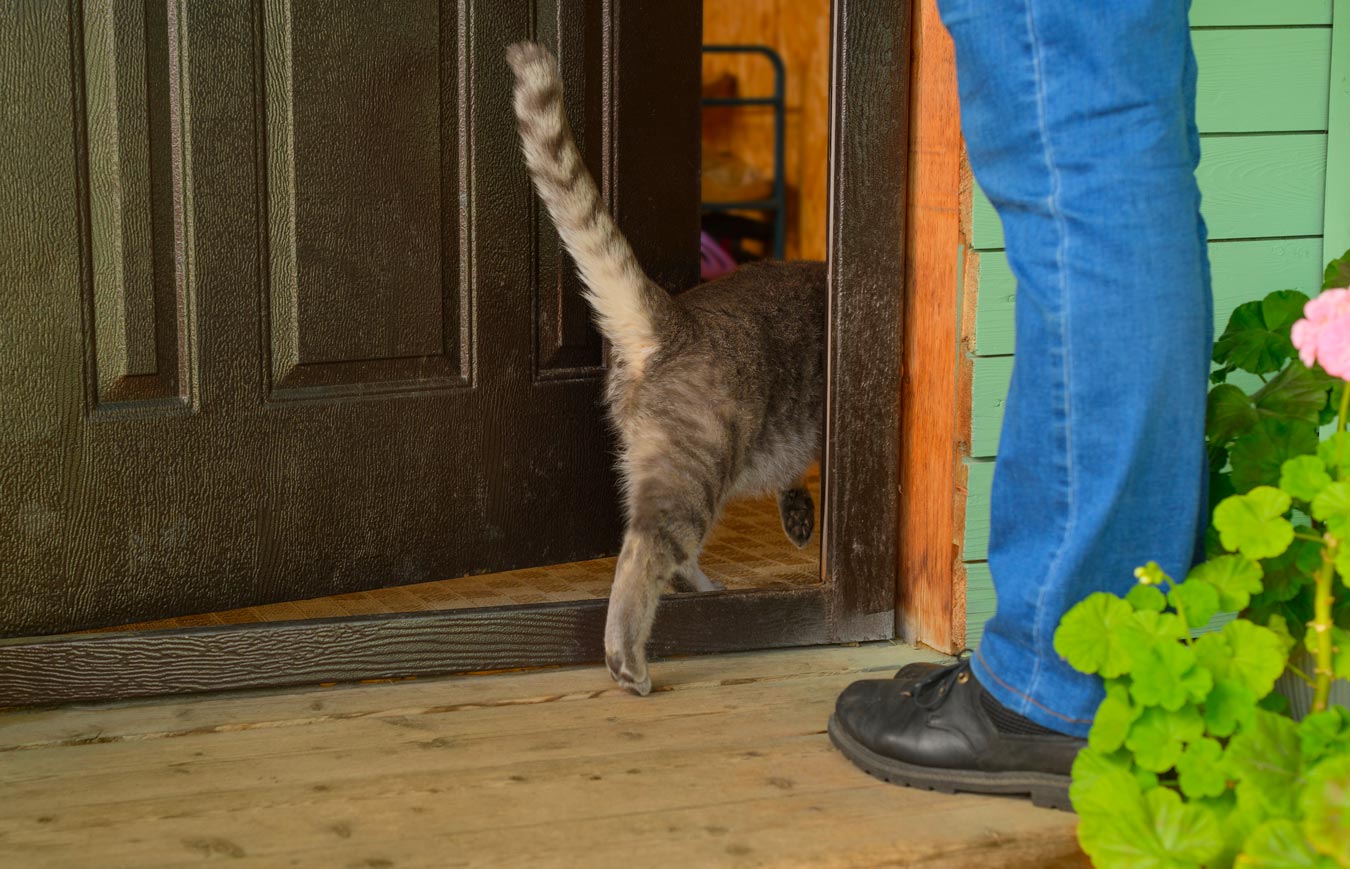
(714, 393)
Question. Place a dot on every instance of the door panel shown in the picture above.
(291, 323)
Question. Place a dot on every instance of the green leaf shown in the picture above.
(1228, 414)
(1099, 635)
(1334, 450)
(1287, 573)
(1234, 577)
(1200, 769)
(1304, 477)
(1343, 564)
(1274, 702)
(1279, 626)
(1254, 523)
(1148, 831)
(1257, 655)
(1257, 337)
(1146, 598)
(1266, 760)
(1159, 736)
(1325, 803)
(1185, 832)
(1279, 845)
(1166, 676)
(1297, 392)
(1332, 506)
(1337, 275)
(1296, 612)
(1256, 457)
(1157, 628)
(1229, 706)
(1322, 733)
(1214, 654)
(1113, 719)
(1340, 657)
(1195, 602)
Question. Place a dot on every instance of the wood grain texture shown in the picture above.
(1258, 80)
(1337, 215)
(1250, 13)
(989, 390)
(100, 666)
(1254, 186)
(126, 516)
(728, 766)
(979, 482)
(1243, 270)
(139, 306)
(928, 607)
(869, 119)
(980, 600)
(799, 30)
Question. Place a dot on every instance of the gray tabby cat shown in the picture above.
(715, 393)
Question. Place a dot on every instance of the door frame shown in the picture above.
(856, 600)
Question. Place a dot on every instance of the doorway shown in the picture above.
(342, 400)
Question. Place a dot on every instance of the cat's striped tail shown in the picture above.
(628, 305)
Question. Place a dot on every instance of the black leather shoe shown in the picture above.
(912, 673)
(938, 734)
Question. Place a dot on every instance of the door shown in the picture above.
(282, 318)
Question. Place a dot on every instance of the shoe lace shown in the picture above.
(930, 691)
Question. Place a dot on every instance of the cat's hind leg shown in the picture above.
(692, 578)
(665, 532)
(798, 512)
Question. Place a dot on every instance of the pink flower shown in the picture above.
(1324, 333)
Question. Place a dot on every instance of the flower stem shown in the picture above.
(1340, 427)
(1300, 674)
(1321, 627)
(1323, 598)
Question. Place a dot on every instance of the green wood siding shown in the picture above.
(1273, 107)
(1248, 13)
(1254, 186)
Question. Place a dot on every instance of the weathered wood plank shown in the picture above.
(1250, 13)
(869, 121)
(166, 717)
(928, 393)
(723, 771)
(1232, 286)
(1258, 186)
(979, 481)
(220, 658)
(1255, 81)
(1243, 270)
(989, 391)
(979, 600)
(1337, 216)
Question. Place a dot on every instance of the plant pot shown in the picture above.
(1300, 693)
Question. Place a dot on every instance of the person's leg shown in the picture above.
(1079, 123)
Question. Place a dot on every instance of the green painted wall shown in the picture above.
(1273, 105)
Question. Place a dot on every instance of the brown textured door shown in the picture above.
(280, 318)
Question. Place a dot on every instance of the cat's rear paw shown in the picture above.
(630, 674)
(798, 512)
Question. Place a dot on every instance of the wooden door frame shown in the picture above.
(869, 114)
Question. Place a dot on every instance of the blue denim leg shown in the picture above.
(1079, 123)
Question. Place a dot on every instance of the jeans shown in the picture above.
(1079, 120)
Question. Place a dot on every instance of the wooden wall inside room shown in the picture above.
(799, 30)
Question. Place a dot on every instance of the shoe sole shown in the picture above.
(1046, 790)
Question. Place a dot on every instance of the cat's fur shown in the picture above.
(716, 392)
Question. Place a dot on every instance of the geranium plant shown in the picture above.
(1194, 759)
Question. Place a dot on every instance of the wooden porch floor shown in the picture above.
(727, 764)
